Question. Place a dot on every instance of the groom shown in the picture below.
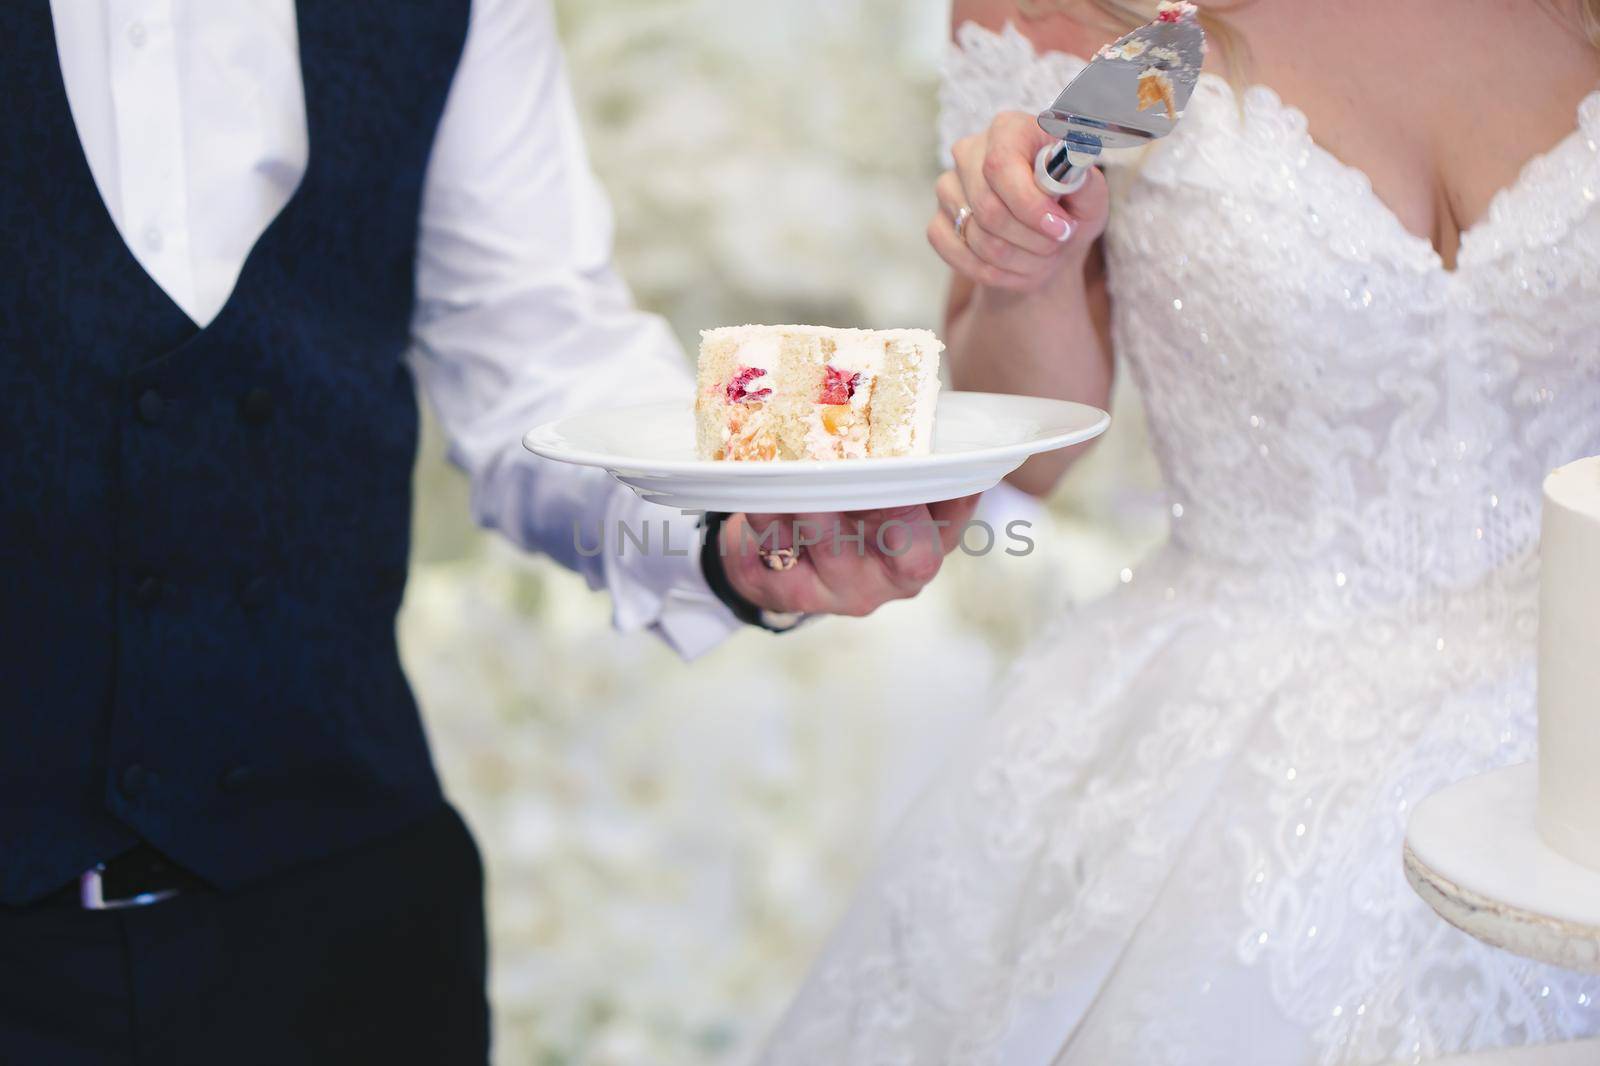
(221, 837)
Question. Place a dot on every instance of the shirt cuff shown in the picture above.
(652, 567)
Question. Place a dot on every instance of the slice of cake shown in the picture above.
(810, 392)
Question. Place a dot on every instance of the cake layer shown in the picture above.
(1569, 663)
(811, 392)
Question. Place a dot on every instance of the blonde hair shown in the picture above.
(1126, 14)
(1123, 15)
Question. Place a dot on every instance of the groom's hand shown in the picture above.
(847, 563)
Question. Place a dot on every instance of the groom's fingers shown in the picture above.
(836, 551)
(906, 546)
(953, 516)
(848, 564)
(867, 558)
(877, 556)
(763, 531)
(845, 563)
(795, 590)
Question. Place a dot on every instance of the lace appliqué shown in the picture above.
(1178, 837)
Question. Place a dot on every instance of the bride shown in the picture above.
(1359, 290)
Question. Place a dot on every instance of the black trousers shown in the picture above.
(376, 956)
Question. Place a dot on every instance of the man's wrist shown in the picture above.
(713, 564)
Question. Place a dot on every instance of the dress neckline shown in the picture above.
(1473, 236)
(1478, 241)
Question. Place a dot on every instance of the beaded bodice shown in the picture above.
(1334, 410)
(1176, 837)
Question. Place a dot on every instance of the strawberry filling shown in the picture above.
(739, 390)
(1174, 12)
(838, 387)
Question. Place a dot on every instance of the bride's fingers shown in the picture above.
(948, 193)
(1003, 254)
(993, 214)
(1007, 168)
(954, 251)
(1087, 208)
(993, 250)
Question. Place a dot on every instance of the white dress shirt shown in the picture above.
(192, 116)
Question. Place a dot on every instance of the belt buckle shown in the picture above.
(92, 893)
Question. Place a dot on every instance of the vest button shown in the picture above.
(256, 407)
(135, 779)
(253, 596)
(151, 407)
(147, 592)
(236, 778)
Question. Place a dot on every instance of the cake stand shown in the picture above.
(1473, 853)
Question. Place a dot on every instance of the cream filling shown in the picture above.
(854, 353)
(760, 352)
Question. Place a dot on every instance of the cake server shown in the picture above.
(1155, 66)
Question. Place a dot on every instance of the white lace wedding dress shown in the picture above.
(1177, 838)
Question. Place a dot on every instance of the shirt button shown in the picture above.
(137, 35)
(253, 596)
(236, 778)
(147, 592)
(151, 407)
(135, 779)
(256, 407)
(153, 239)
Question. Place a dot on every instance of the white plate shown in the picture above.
(978, 439)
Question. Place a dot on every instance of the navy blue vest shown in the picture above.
(204, 532)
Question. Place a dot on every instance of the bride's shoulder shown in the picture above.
(1072, 27)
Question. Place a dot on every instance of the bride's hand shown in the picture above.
(1018, 237)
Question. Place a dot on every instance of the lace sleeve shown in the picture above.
(986, 73)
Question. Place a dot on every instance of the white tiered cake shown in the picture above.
(1569, 663)
(1512, 856)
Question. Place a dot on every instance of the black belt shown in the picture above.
(136, 878)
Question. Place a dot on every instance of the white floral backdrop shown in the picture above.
(667, 843)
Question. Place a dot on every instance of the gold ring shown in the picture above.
(963, 216)
(779, 559)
